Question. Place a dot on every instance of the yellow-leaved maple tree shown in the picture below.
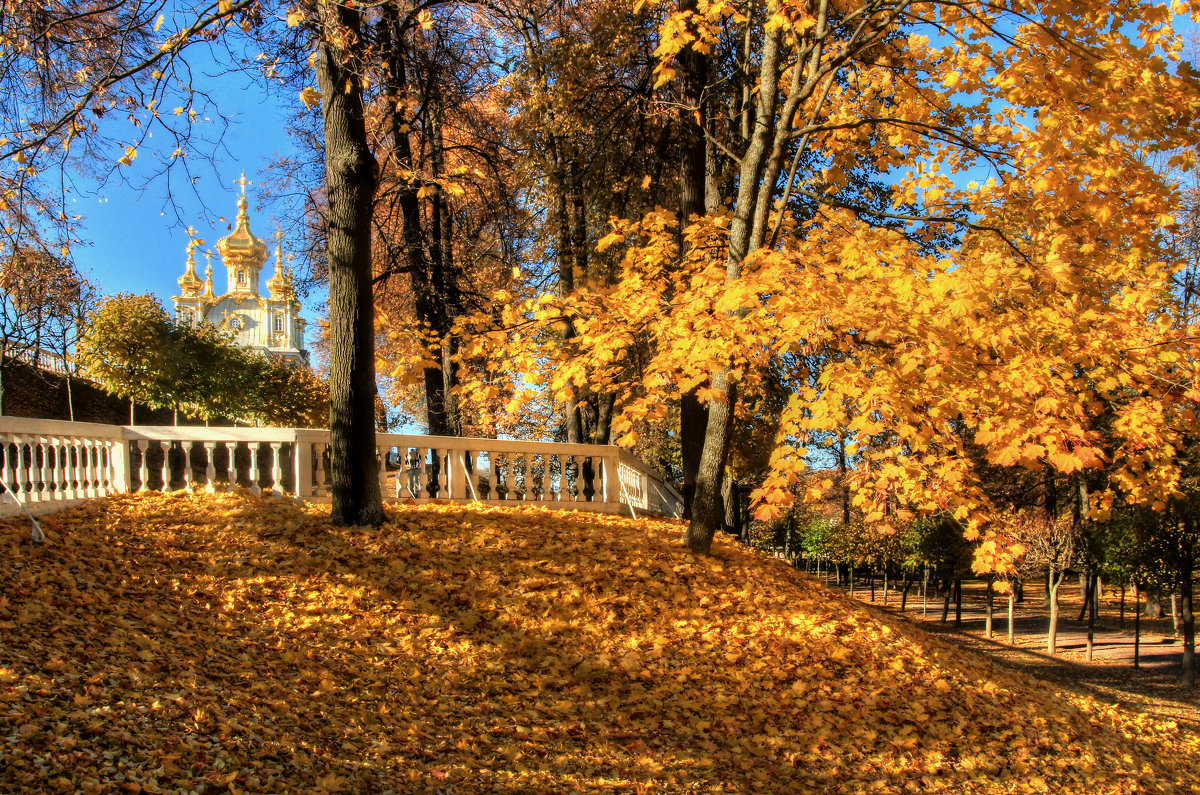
(937, 221)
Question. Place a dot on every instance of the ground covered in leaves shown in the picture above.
(191, 643)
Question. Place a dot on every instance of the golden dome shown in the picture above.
(189, 282)
(279, 284)
(241, 247)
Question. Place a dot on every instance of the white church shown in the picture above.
(271, 324)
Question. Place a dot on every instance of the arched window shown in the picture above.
(279, 322)
(241, 279)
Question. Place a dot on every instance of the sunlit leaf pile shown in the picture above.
(175, 643)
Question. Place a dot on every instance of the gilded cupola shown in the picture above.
(243, 254)
(189, 282)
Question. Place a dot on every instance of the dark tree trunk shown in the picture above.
(946, 606)
(1012, 630)
(426, 258)
(908, 581)
(1085, 585)
(1137, 632)
(693, 415)
(1187, 564)
(1093, 585)
(350, 179)
(1122, 606)
(1052, 585)
(957, 602)
(708, 510)
(990, 604)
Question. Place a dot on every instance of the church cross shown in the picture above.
(243, 182)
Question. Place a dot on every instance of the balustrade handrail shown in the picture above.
(29, 426)
(56, 461)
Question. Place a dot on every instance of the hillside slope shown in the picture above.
(203, 643)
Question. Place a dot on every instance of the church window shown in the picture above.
(241, 277)
(279, 322)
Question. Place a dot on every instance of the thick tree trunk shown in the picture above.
(350, 180)
(708, 509)
(693, 114)
(758, 173)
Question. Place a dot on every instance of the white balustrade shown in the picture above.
(50, 464)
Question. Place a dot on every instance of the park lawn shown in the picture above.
(208, 643)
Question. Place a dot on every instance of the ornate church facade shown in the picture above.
(272, 323)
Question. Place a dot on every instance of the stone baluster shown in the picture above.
(276, 470)
(12, 465)
(466, 464)
(546, 477)
(521, 462)
(82, 476)
(41, 489)
(210, 467)
(231, 466)
(452, 479)
(90, 468)
(35, 472)
(165, 446)
(424, 474)
(67, 467)
(22, 470)
(58, 471)
(319, 450)
(254, 487)
(302, 464)
(498, 461)
(143, 470)
(381, 458)
(610, 485)
(187, 448)
(108, 482)
(78, 472)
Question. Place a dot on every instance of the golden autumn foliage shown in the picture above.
(163, 643)
(939, 226)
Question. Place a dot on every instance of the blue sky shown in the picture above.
(134, 228)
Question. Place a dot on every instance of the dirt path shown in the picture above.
(1152, 687)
